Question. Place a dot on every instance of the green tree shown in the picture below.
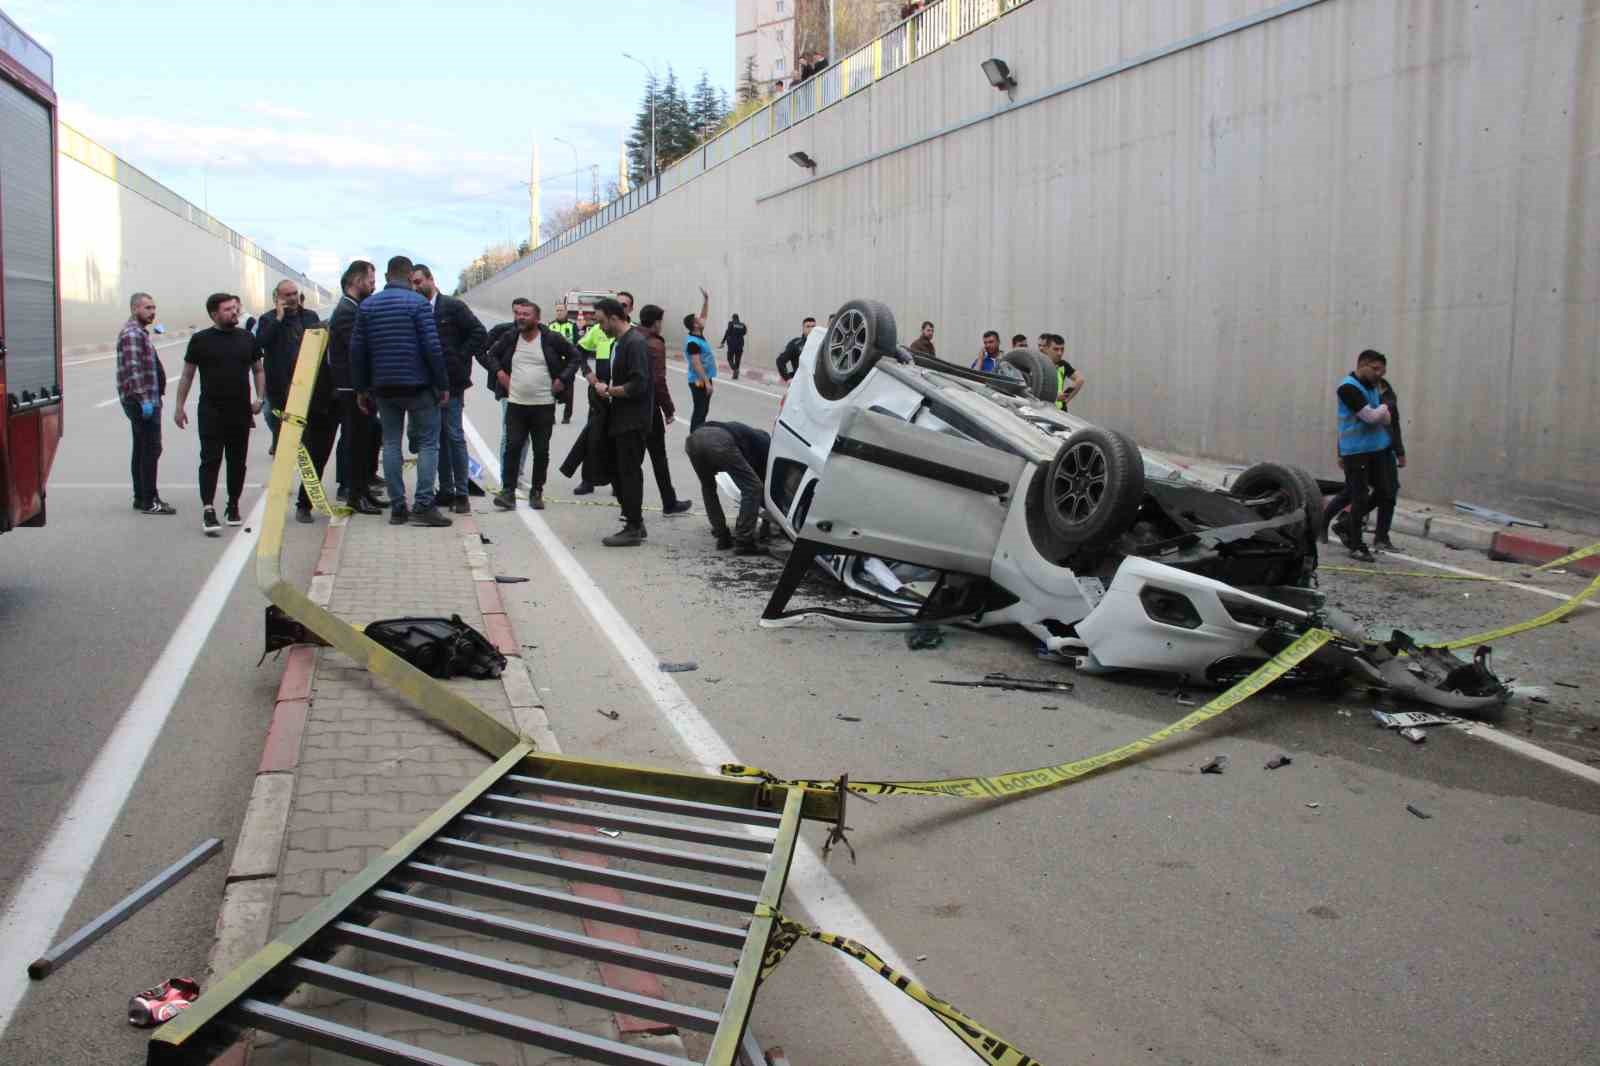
(749, 88)
(639, 139)
(705, 107)
(675, 133)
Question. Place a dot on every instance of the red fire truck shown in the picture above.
(30, 307)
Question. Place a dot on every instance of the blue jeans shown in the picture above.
(452, 449)
(423, 411)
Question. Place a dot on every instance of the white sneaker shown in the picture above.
(209, 523)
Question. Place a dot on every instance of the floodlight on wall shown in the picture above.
(999, 75)
(800, 159)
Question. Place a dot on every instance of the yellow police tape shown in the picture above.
(989, 1047)
(1430, 574)
(313, 486)
(1555, 614)
(448, 709)
(1581, 553)
(308, 472)
(595, 503)
(1018, 782)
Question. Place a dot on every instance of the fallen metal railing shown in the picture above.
(741, 832)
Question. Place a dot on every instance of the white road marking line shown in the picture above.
(821, 895)
(113, 354)
(42, 897)
(1474, 573)
(125, 485)
(1531, 750)
(721, 384)
(108, 403)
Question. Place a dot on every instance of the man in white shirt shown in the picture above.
(532, 367)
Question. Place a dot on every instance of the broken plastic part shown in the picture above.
(439, 647)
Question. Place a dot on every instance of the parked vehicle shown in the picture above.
(30, 315)
(952, 496)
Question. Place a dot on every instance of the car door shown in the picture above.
(914, 494)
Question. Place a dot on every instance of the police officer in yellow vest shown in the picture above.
(597, 344)
(563, 326)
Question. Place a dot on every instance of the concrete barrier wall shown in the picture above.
(123, 232)
(1216, 232)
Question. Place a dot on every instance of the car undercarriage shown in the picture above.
(942, 495)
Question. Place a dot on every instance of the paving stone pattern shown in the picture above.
(370, 770)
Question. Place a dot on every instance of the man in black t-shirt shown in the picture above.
(226, 358)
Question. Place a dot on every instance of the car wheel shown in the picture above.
(1277, 489)
(1094, 488)
(861, 333)
(1038, 370)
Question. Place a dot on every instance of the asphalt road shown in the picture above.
(87, 605)
(1147, 915)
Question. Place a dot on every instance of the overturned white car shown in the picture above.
(950, 496)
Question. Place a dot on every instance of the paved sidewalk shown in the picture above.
(371, 768)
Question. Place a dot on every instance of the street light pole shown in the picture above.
(575, 171)
(652, 94)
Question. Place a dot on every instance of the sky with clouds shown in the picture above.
(336, 130)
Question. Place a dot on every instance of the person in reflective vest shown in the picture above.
(564, 326)
(1365, 444)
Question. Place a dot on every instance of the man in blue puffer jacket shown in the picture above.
(397, 366)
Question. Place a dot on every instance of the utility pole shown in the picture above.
(594, 184)
(651, 91)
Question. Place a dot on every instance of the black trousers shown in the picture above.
(224, 434)
(358, 445)
(318, 442)
(735, 358)
(656, 445)
(712, 451)
(1371, 481)
(524, 423)
(701, 399)
(627, 479)
(146, 453)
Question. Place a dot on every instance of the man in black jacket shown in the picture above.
(360, 280)
(733, 340)
(1387, 485)
(789, 359)
(463, 338)
(279, 333)
(531, 367)
(740, 451)
(630, 396)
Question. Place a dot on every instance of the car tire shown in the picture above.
(1290, 488)
(861, 333)
(1094, 488)
(1038, 370)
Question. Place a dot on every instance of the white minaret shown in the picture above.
(622, 169)
(533, 199)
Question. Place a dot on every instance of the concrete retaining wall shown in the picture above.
(1216, 232)
(123, 232)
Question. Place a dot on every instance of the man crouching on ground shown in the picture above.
(741, 452)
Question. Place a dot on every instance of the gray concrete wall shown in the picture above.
(123, 232)
(1216, 232)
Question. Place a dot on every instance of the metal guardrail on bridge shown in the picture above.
(920, 35)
